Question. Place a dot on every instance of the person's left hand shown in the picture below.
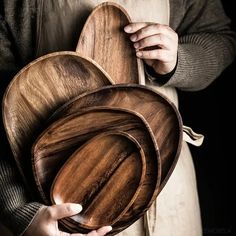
(157, 44)
(45, 222)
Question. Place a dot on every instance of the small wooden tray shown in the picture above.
(104, 175)
(103, 39)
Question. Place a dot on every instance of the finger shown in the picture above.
(64, 233)
(67, 234)
(133, 27)
(104, 230)
(57, 212)
(100, 232)
(157, 54)
(155, 40)
(152, 30)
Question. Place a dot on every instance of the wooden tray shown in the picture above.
(38, 90)
(68, 133)
(103, 39)
(160, 113)
(104, 175)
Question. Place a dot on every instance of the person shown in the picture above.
(186, 47)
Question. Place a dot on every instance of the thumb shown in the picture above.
(149, 62)
(58, 212)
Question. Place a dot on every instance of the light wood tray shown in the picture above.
(103, 39)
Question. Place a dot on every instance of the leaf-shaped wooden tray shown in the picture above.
(38, 90)
(160, 113)
(103, 39)
(107, 169)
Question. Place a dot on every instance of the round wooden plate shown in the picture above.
(103, 39)
(38, 90)
(104, 175)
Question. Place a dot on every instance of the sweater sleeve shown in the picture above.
(17, 211)
(207, 45)
(16, 207)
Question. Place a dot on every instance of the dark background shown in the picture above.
(210, 112)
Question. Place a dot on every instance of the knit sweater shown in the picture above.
(206, 47)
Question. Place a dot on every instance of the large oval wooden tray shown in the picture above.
(38, 90)
(103, 39)
(160, 113)
(104, 175)
(64, 136)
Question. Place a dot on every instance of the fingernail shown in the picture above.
(136, 45)
(77, 207)
(133, 38)
(109, 228)
(139, 54)
(127, 29)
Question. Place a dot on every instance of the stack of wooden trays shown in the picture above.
(83, 130)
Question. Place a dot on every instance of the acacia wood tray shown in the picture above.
(38, 90)
(109, 168)
(64, 136)
(103, 39)
(158, 111)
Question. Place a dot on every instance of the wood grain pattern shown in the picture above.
(38, 90)
(107, 169)
(160, 113)
(65, 135)
(104, 40)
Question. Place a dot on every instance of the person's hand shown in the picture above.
(45, 222)
(157, 44)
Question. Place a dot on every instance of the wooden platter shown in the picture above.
(38, 90)
(57, 143)
(103, 39)
(63, 137)
(107, 169)
(160, 113)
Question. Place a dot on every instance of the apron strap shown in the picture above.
(191, 137)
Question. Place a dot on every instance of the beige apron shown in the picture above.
(176, 211)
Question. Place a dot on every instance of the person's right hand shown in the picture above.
(45, 222)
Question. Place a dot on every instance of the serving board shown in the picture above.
(37, 91)
(109, 168)
(57, 143)
(161, 115)
(103, 39)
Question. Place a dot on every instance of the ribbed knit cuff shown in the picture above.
(199, 62)
(24, 216)
(16, 209)
(158, 78)
(21, 219)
